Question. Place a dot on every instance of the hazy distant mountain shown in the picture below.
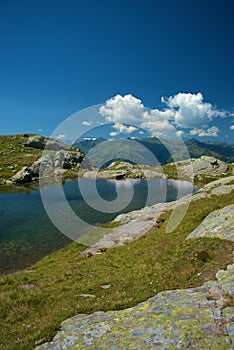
(195, 148)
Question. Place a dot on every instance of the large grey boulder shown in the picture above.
(218, 224)
(52, 162)
(195, 318)
(209, 166)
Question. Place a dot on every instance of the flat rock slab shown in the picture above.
(193, 318)
(132, 226)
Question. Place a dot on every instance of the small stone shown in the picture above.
(87, 295)
(106, 286)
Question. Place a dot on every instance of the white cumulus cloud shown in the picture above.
(232, 127)
(121, 128)
(157, 122)
(180, 133)
(122, 109)
(213, 131)
(190, 111)
(186, 110)
(113, 133)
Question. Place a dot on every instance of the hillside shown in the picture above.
(195, 148)
(22, 157)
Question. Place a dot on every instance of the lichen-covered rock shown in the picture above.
(195, 318)
(218, 224)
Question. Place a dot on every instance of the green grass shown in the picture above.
(12, 147)
(34, 303)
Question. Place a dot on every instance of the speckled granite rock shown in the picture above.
(193, 318)
(218, 224)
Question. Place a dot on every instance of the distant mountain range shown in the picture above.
(195, 148)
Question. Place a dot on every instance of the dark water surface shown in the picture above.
(27, 234)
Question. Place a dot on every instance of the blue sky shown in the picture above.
(60, 56)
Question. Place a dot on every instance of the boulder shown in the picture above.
(193, 318)
(24, 175)
(209, 166)
(42, 166)
(46, 165)
(36, 141)
(218, 224)
(41, 142)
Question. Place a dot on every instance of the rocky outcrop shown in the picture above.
(123, 170)
(201, 167)
(42, 142)
(22, 176)
(209, 166)
(52, 163)
(218, 224)
(204, 166)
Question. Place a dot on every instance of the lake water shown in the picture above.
(27, 234)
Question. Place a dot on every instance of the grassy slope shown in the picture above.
(11, 147)
(34, 304)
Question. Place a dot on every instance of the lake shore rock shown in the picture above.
(51, 164)
(137, 223)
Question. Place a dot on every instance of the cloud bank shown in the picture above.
(183, 110)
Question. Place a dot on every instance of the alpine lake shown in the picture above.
(27, 234)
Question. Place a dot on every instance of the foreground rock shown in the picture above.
(196, 318)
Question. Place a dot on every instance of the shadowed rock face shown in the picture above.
(195, 318)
